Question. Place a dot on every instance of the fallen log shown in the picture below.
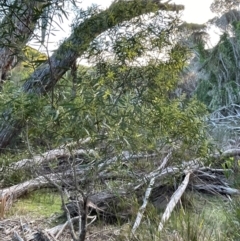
(47, 157)
(64, 156)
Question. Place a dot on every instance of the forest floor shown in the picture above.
(199, 217)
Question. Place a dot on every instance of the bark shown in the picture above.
(46, 76)
(16, 29)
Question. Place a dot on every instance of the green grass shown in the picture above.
(41, 203)
(203, 218)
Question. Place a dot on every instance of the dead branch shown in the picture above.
(216, 189)
(64, 153)
(174, 200)
(16, 237)
(49, 156)
(147, 195)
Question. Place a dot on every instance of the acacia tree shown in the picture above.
(46, 75)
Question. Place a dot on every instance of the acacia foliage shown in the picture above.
(93, 24)
(123, 101)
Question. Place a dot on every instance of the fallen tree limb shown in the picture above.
(194, 165)
(173, 201)
(216, 189)
(147, 195)
(64, 152)
(49, 156)
(228, 153)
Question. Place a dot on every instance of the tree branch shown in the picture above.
(46, 76)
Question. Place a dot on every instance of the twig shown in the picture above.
(73, 234)
(61, 227)
(16, 236)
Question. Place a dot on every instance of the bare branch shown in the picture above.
(174, 200)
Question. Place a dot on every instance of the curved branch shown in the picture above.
(46, 76)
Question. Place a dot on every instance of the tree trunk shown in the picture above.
(46, 76)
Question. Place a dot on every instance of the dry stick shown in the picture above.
(62, 227)
(56, 231)
(73, 234)
(94, 217)
(147, 195)
(51, 236)
(167, 171)
(47, 237)
(174, 200)
(17, 237)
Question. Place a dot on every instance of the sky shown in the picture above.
(195, 12)
(199, 12)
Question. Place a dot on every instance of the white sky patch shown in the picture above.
(199, 12)
(195, 12)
